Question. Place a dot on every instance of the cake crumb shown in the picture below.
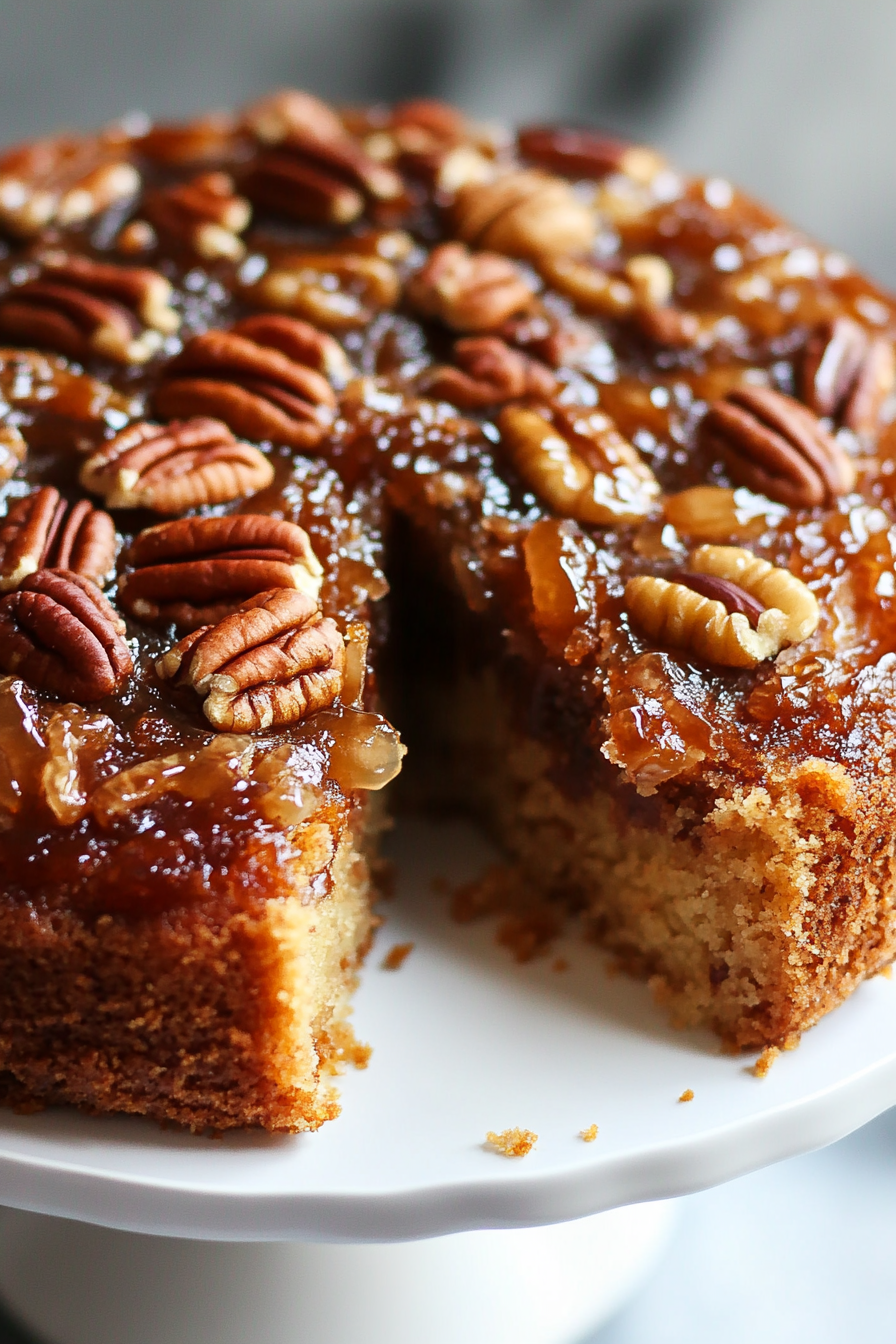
(559, 964)
(765, 1061)
(887, 971)
(512, 1142)
(588, 1135)
(396, 956)
(340, 1046)
(687, 1094)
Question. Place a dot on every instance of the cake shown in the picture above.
(578, 470)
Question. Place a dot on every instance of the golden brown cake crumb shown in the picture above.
(588, 1135)
(687, 1095)
(765, 1061)
(396, 956)
(512, 1142)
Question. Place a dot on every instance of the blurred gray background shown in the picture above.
(793, 99)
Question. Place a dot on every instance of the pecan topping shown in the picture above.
(524, 214)
(334, 289)
(313, 170)
(273, 662)
(276, 116)
(43, 531)
(12, 450)
(81, 308)
(490, 372)
(64, 181)
(208, 139)
(197, 570)
(587, 154)
(847, 375)
(62, 636)
(250, 384)
(579, 464)
(590, 287)
(175, 467)
(469, 291)
(205, 214)
(731, 608)
(772, 444)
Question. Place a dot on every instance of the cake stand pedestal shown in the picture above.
(76, 1284)
(387, 1223)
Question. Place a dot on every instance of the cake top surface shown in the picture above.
(646, 423)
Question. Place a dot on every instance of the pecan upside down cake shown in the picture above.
(620, 440)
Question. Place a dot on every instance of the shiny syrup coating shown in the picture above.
(124, 838)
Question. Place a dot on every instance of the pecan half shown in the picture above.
(62, 636)
(204, 214)
(489, 372)
(197, 570)
(319, 177)
(587, 154)
(253, 386)
(273, 662)
(579, 464)
(274, 117)
(847, 375)
(175, 467)
(64, 181)
(469, 291)
(334, 289)
(732, 608)
(772, 444)
(208, 139)
(524, 214)
(81, 308)
(43, 531)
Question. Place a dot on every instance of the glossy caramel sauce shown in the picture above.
(135, 804)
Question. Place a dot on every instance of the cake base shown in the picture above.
(78, 1284)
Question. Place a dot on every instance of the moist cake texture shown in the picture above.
(621, 440)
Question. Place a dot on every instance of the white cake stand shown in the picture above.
(466, 1041)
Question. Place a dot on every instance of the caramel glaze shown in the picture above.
(610, 705)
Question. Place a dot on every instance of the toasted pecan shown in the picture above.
(336, 290)
(847, 375)
(584, 153)
(61, 635)
(469, 291)
(272, 662)
(256, 389)
(777, 447)
(63, 180)
(175, 467)
(43, 531)
(205, 215)
(731, 608)
(197, 570)
(488, 371)
(81, 308)
(524, 213)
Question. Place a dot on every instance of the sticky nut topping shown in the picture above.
(63, 181)
(847, 375)
(61, 635)
(13, 448)
(579, 153)
(195, 571)
(525, 214)
(175, 467)
(715, 513)
(775, 446)
(335, 290)
(468, 291)
(730, 608)
(579, 464)
(273, 662)
(257, 389)
(206, 215)
(488, 371)
(44, 531)
(277, 115)
(83, 308)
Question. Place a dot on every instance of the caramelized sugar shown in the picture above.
(135, 804)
